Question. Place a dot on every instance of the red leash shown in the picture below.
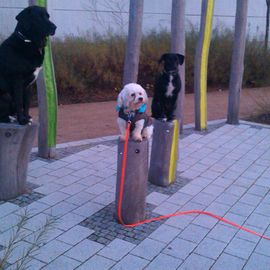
(122, 181)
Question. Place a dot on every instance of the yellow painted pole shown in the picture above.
(201, 63)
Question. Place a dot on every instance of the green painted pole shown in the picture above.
(47, 99)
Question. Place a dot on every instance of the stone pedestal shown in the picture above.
(164, 154)
(16, 142)
(136, 175)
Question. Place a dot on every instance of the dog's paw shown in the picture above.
(22, 120)
(137, 137)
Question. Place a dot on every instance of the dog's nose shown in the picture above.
(53, 29)
(140, 99)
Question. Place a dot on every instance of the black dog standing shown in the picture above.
(21, 56)
(167, 87)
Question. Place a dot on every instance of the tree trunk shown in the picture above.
(267, 25)
(132, 55)
(237, 64)
(178, 46)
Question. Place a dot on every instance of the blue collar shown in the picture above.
(142, 109)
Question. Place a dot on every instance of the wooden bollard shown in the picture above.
(136, 174)
(164, 153)
(16, 142)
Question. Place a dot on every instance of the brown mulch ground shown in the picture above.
(91, 120)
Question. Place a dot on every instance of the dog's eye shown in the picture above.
(140, 94)
(133, 94)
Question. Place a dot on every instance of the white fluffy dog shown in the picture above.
(131, 105)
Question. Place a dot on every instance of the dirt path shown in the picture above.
(91, 120)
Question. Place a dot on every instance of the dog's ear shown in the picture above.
(24, 18)
(181, 58)
(162, 58)
(120, 100)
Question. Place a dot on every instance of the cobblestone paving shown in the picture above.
(107, 228)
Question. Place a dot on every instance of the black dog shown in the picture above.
(21, 56)
(167, 87)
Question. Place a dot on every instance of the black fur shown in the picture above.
(20, 55)
(164, 106)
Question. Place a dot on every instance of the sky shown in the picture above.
(77, 17)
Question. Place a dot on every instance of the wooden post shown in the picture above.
(134, 193)
(164, 154)
(201, 62)
(237, 64)
(47, 100)
(178, 41)
(16, 142)
(133, 42)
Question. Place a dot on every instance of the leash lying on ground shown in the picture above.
(181, 213)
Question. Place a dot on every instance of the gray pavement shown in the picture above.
(225, 171)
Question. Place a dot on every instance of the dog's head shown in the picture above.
(132, 97)
(171, 61)
(34, 24)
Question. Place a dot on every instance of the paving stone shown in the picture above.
(8, 222)
(156, 198)
(258, 190)
(56, 165)
(213, 189)
(210, 248)
(62, 262)
(35, 264)
(7, 208)
(105, 198)
(195, 261)
(60, 209)
(217, 208)
(258, 262)
(258, 220)
(222, 233)
(191, 189)
(180, 222)
(88, 209)
(68, 221)
(84, 250)
(148, 249)
(166, 208)
(226, 261)
(54, 198)
(61, 172)
(179, 248)
(51, 251)
(242, 209)
(263, 181)
(36, 222)
(73, 189)
(96, 263)
(39, 172)
(248, 236)
(250, 199)
(116, 250)
(80, 198)
(97, 189)
(77, 165)
(163, 261)
(240, 248)
(67, 180)
(231, 217)
(75, 235)
(227, 199)
(179, 198)
(263, 209)
(131, 262)
(203, 198)
(165, 233)
(194, 233)
(236, 190)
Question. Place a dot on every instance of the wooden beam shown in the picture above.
(237, 63)
(132, 55)
(201, 62)
(178, 45)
